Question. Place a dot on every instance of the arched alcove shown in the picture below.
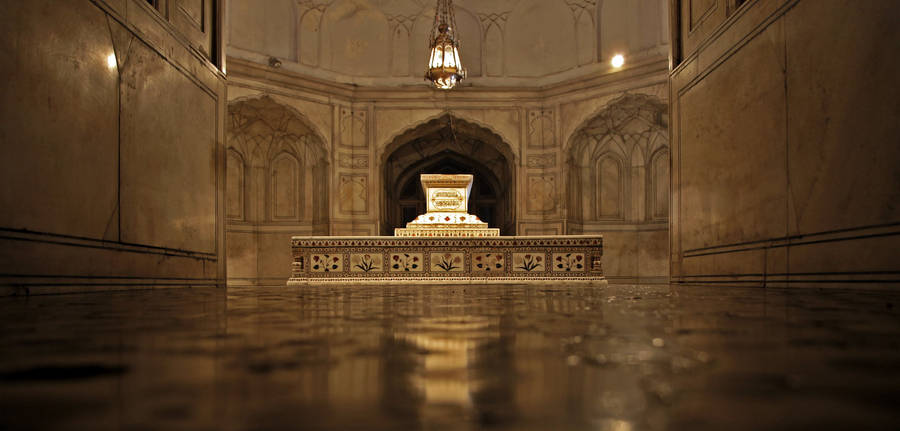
(275, 187)
(601, 185)
(453, 146)
(617, 173)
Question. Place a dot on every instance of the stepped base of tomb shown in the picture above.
(446, 224)
(325, 260)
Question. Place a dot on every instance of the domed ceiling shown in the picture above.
(504, 42)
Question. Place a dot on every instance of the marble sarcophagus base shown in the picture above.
(572, 259)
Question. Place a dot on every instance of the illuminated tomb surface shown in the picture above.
(455, 358)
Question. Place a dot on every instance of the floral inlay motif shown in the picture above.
(528, 262)
(487, 262)
(568, 262)
(365, 262)
(447, 262)
(408, 262)
(325, 263)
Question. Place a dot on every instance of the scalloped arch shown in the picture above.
(320, 142)
(621, 101)
(501, 143)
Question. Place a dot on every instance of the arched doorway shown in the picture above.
(449, 145)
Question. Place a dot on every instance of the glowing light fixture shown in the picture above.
(618, 61)
(111, 61)
(444, 68)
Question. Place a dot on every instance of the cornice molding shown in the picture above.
(649, 72)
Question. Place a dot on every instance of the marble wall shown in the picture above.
(111, 127)
(784, 142)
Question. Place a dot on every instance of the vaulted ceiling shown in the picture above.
(504, 42)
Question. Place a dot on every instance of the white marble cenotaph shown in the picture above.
(446, 245)
(447, 213)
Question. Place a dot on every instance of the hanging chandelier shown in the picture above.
(444, 67)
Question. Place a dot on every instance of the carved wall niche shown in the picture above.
(401, 30)
(471, 39)
(541, 130)
(494, 25)
(583, 12)
(608, 189)
(609, 178)
(285, 188)
(234, 194)
(353, 127)
(659, 185)
(276, 167)
(353, 194)
(309, 34)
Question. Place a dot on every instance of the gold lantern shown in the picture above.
(444, 68)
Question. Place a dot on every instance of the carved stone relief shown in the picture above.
(353, 161)
(583, 12)
(541, 197)
(353, 127)
(275, 162)
(401, 29)
(234, 177)
(310, 13)
(541, 129)
(609, 177)
(353, 194)
(494, 24)
(541, 161)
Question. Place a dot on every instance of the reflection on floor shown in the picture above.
(455, 358)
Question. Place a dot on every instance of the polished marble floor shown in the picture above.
(452, 358)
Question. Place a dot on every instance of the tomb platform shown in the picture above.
(447, 245)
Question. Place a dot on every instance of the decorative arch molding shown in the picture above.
(284, 173)
(235, 196)
(463, 148)
(625, 106)
(431, 123)
(632, 132)
(658, 178)
(610, 187)
(277, 102)
(285, 187)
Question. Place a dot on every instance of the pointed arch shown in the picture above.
(235, 176)
(610, 187)
(609, 171)
(400, 50)
(658, 180)
(428, 124)
(585, 34)
(464, 147)
(285, 190)
(276, 176)
(310, 37)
